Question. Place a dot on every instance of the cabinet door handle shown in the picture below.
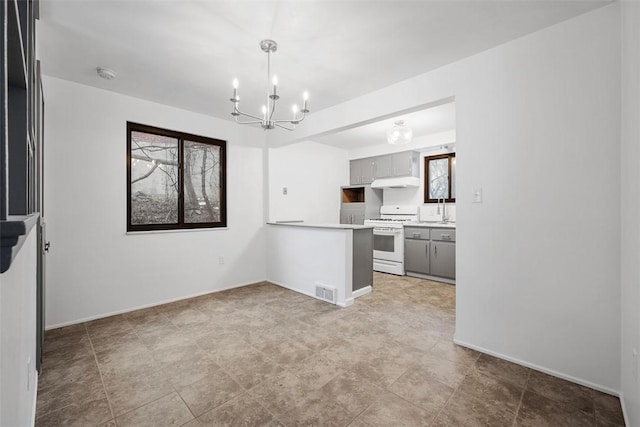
(435, 251)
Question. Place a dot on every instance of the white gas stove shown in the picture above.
(388, 237)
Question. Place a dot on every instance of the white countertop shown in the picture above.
(328, 225)
(430, 224)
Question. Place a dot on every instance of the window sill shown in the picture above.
(13, 233)
(177, 230)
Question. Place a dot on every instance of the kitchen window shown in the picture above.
(175, 180)
(440, 178)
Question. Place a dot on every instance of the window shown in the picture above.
(175, 180)
(440, 178)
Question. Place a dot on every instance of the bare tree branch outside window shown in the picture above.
(176, 180)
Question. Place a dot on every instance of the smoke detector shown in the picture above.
(106, 73)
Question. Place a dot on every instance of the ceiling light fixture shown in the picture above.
(399, 134)
(267, 121)
(106, 73)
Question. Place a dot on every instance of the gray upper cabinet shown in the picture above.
(364, 171)
(405, 163)
(383, 167)
(354, 172)
(361, 171)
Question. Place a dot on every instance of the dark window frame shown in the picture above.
(449, 156)
(181, 137)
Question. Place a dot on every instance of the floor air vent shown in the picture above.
(326, 293)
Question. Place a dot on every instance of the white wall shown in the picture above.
(537, 127)
(18, 337)
(313, 174)
(94, 268)
(630, 243)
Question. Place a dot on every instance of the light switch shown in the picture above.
(284, 191)
(477, 195)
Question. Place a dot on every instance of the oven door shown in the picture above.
(388, 244)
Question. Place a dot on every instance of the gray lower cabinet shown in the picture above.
(442, 259)
(430, 251)
(416, 255)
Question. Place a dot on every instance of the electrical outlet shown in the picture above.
(221, 260)
(284, 190)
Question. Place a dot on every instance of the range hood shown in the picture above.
(400, 182)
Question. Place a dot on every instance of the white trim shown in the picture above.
(362, 291)
(347, 303)
(535, 367)
(177, 230)
(140, 307)
(624, 410)
(35, 400)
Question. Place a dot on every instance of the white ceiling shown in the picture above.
(186, 53)
(425, 122)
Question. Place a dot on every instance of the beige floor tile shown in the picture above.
(315, 372)
(250, 368)
(419, 388)
(242, 410)
(561, 391)
(538, 410)
(447, 349)
(209, 392)
(166, 411)
(607, 409)
(279, 394)
(311, 411)
(265, 355)
(132, 391)
(391, 410)
(450, 372)
(492, 389)
(90, 412)
(463, 410)
(508, 371)
(351, 391)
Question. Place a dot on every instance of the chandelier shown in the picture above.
(399, 134)
(267, 121)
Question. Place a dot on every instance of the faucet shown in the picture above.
(444, 218)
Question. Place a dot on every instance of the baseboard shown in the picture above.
(35, 400)
(535, 367)
(347, 303)
(624, 410)
(362, 291)
(141, 307)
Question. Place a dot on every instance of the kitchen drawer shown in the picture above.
(416, 233)
(443, 234)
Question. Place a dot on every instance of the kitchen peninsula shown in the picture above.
(332, 262)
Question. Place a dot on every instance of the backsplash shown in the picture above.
(429, 212)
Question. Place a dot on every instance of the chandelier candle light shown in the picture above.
(267, 121)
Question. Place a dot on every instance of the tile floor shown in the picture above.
(265, 356)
